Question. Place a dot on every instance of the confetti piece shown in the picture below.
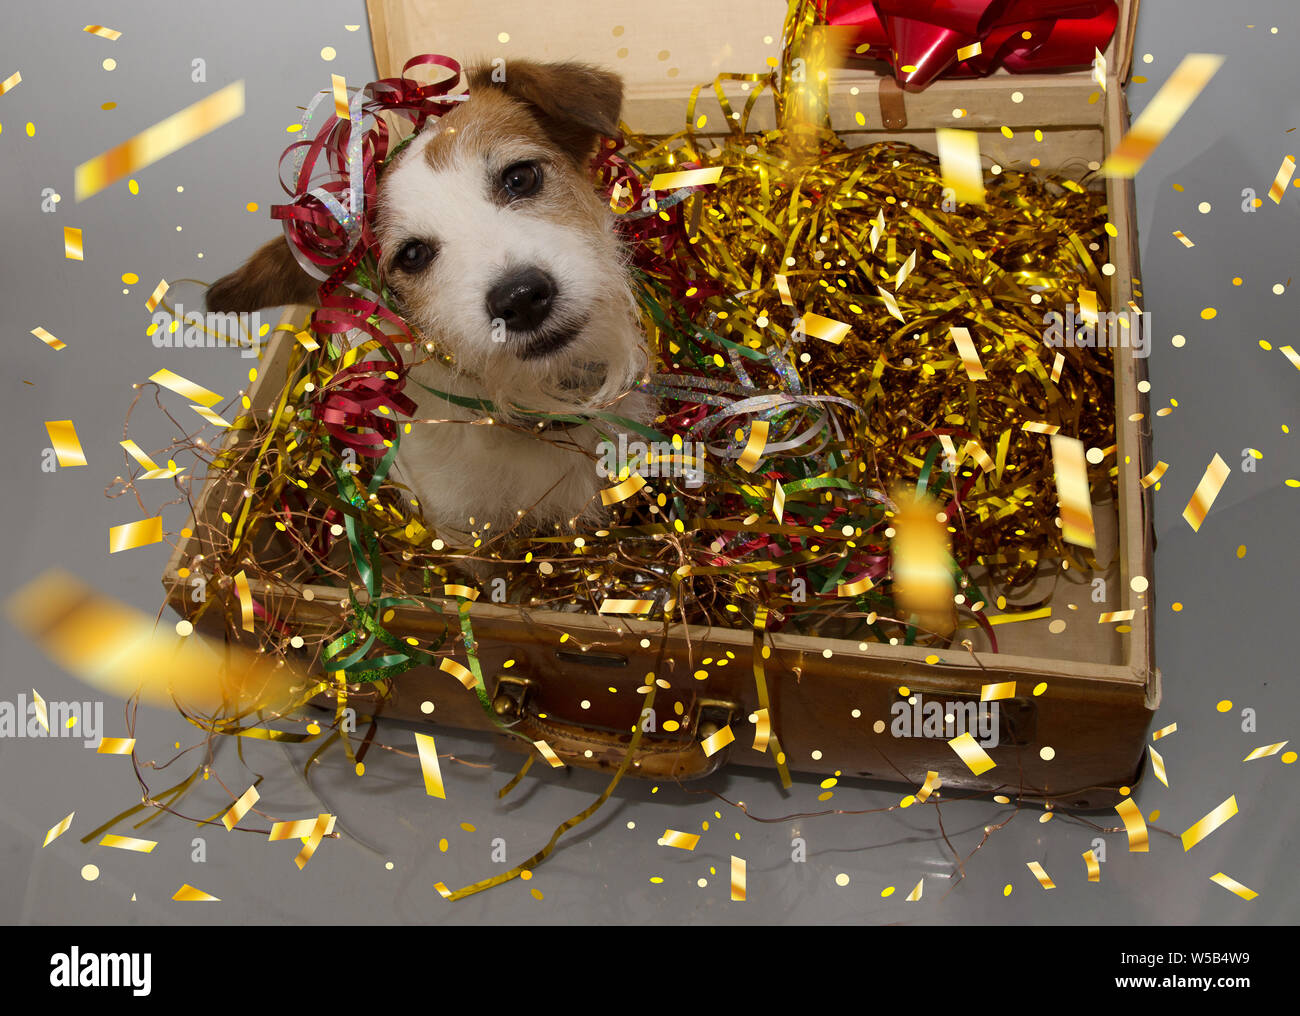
(131, 535)
(922, 572)
(58, 830)
(1057, 364)
(1072, 491)
(72, 249)
(549, 754)
(1209, 823)
(783, 288)
(116, 746)
(891, 304)
(1290, 353)
(128, 843)
(1038, 427)
(1158, 766)
(1266, 751)
(970, 356)
(967, 52)
(1099, 68)
(159, 292)
(626, 606)
(1206, 491)
(976, 452)
(827, 329)
(622, 491)
(762, 729)
(210, 416)
(753, 452)
(856, 588)
(467, 592)
(340, 96)
(778, 502)
(153, 471)
(686, 178)
(915, 895)
(1157, 471)
(297, 829)
(245, 600)
(1164, 732)
(1040, 874)
(1283, 178)
(1115, 615)
(189, 894)
(931, 784)
(11, 82)
(905, 271)
(56, 344)
(306, 341)
(1233, 886)
(1161, 114)
(1001, 690)
(457, 670)
(323, 823)
(240, 808)
(183, 386)
(959, 160)
(160, 140)
(42, 713)
(104, 33)
(433, 785)
(715, 742)
(737, 879)
(67, 448)
(1094, 868)
(970, 752)
(1183, 238)
(680, 840)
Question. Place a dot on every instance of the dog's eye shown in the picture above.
(522, 179)
(414, 256)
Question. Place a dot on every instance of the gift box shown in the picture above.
(1072, 707)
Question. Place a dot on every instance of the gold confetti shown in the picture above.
(457, 670)
(549, 754)
(827, 329)
(1164, 732)
(11, 82)
(72, 249)
(58, 830)
(1266, 751)
(340, 96)
(443, 891)
(1094, 868)
(612, 606)
(306, 341)
(1233, 886)
(715, 742)
(189, 894)
(1038, 427)
(686, 178)
(915, 895)
(1184, 238)
(959, 160)
(323, 824)
(42, 713)
(1290, 353)
(159, 291)
(433, 785)
(130, 535)
(67, 448)
(50, 340)
(1161, 114)
(970, 752)
(854, 588)
(967, 52)
(931, 784)
(1000, 690)
(153, 471)
(970, 356)
(891, 304)
(245, 600)
(1158, 766)
(905, 271)
(737, 879)
(622, 491)
(1206, 491)
(128, 843)
(1157, 471)
(1057, 365)
(1209, 823)
(1040, 874)
(210, 416)
(160, 140)
(240, 808)
(116, 746)
(183, 386)
(299, 829)
(683, 841)
(974, 449)
(922, 570)
(104, 33)
(1115, 615)
(753, 452)
(783, 288)
(1072, 491)
(1283, 178)
(453, 589)
(762, 729)
(778, 502)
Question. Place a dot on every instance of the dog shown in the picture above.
(502, 254)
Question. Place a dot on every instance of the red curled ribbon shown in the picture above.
(926, 35)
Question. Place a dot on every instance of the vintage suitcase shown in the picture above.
(570, 678)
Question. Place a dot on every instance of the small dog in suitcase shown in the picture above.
(502, 253)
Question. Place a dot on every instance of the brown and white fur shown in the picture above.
(518, 275)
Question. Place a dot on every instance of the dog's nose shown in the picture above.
(522, 299)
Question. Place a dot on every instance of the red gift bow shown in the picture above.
(927, 34)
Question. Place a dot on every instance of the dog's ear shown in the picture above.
(575, 103)
(272, 277)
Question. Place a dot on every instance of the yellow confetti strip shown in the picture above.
(891, 304)
(969, 751)
(322, 825)
(1284, 174)
(153, 471)
(1266, 751)
(981, 457)
(457, 670)
(110, 34)
(1094, 868)
(778, 502)
(973, 50)
(931, 784)
(67, 448)
(72, 248)
(1058, 364)
(1209, 823)
(1038, 427)
(160, 140)
(433, 785)
(1115, 615)
(298, 829)
(1158, 766)
(1164, 732)
(715, 742)
(923, 579)
(753, 452)
(128, 843)
(915, 895)
(1161, 114)
(1233, 886)
(626, 606)
(548, 753)
(970, 356)
(340, 95)
(1157, 471)
(58, 830)
(737, 879)
(159, 291)
(686, 178)
(1206, 491)
(210, 416)
(783, 288)
(189, 894)
(116, 746)
(1040, 874)
(468, 592)
(762, 729)
(827, 329)
(49, 339)
(131, 535)
(622, 491)
(1183, 238)
(240, 808)
(1290, 353)
(856, 588)
(959, 160)
(11, 82)
(42, 713)
(683, 841)
(1001, 690)
(245, 600)
(185, 387)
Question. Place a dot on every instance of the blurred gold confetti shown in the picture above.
(737, 879)
(1206, 491)
(110, 34)
(1284, 173)
(72, 248)
(715, 742)
(1040, 874)
(680, 840)
(824, 328)
(1072, 490)
(959, 161)
(1233, 886)
(189, 894)
(1266, 751)
(433, 785)
(922, 563)
(58, 830)
(240, 808)
(49, 339)
(970, 752)
(1161, 114)
(1209, 823)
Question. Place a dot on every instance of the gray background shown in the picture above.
(1228, 642)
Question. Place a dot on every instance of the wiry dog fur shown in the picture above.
(446, 191)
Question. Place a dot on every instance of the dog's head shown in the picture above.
(497, 245)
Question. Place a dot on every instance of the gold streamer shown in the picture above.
(622, 491)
